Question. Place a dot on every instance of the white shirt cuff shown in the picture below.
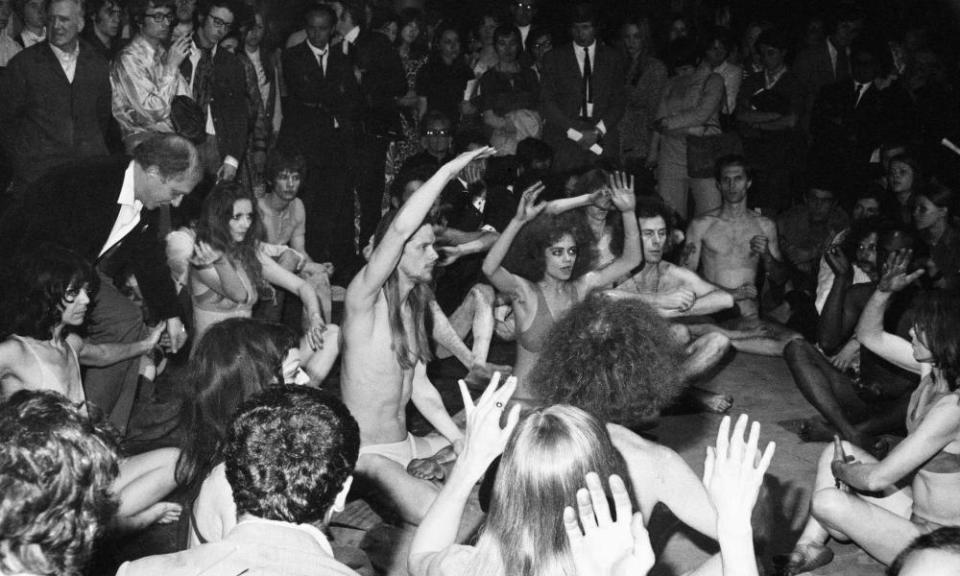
(574, 135)
(597, 149)
(602, 128)
(231, 161)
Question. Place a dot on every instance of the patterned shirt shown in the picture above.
(143, 88)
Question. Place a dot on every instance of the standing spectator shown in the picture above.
(318, 123)
(227, 91)
(484, 55)
(186, 11)
(442, 81)
(55, 109)
(413, 56)
(33, 16)
(645, 77)
(768, 113)
(266, 64)
(582, 96)
(382, 82)
(509, 94)
(690, 106)
(718, 45)
(537, 45)
(103, 27)
(145, 76)
(827, 62)
(522, 14)
(8, 46)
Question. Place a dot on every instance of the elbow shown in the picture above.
(725, 299)
(489, 269)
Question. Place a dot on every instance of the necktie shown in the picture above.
(203, 77)
(323, 69)
(587, 89)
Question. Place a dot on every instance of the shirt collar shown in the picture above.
(317, 51)
(128, 195)
(351, 36)
(311, 530)
(66, 56)
(28, 35)
(579, 49)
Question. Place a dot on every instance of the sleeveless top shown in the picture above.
(73, 388)
(532, 338)
(936, 486)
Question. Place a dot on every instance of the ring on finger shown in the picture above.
(499, 404)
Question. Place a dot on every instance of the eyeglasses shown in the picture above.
(160, 17)
(437, 133)
(525, 5)
(867, 247)
(219, 23)
(543, 45)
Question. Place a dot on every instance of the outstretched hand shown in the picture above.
(621, 191)
(460, 162)
(528, 209)
(485, 439)
(731, 473)
(895, 277)
(607, 547)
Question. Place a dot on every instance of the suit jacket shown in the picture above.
(561, 93)
(76, 206)
(252, 549)
(320, 109)
(814, 69)
(383, 80)
(236, 107)
(840, 126)
(47, 121)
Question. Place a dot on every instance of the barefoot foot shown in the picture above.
(806, 557)
(159, 513)
(709, 402)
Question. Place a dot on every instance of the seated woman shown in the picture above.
(233, 361)
(510, 93)
(44, 303)
(229, 271)
(904, 179)
(554, 273)
(933, 209)
(546, 458)
(858, 498)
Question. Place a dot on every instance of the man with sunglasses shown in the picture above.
(225, 86)
(145, 75)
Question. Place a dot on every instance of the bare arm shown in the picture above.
(363, 289)
(625, 200)
(276, 275)
(501, 278)
(870, 332)
(710, 298)
(109, 353)
(690, 258)
(215, 271)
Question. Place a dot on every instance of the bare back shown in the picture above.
(374, 386)
(29, 364)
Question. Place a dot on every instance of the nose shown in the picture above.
(176, 201)
(83, 297)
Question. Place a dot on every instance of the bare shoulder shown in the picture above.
(767, 224)
(637, 451)
(705, 220)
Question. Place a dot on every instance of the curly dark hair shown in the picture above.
(527, 255)
(56, 468)
(935, 318)
(234, 360)
(34, 287)
(612, 358)
(945, 539)
(288, 453)
(281, 161)
(214, 229)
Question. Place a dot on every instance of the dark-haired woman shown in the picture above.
(44, 302)
(645, 79)
(883, 505)
(557, 263)
(229, 271)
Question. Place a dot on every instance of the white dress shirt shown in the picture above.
(68, 60)
(130, 209)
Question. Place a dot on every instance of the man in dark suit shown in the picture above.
(827, 62)
(225, 87)
(382, 82)
(294, 433)
(318, 123)
(105, 210)
(582, 96)
(56, 99)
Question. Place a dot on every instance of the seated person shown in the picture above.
(806, 230)
(285, 224)
(858, 244)
(436, 138)
(675, 292)
(386, 349)
(867, 204)
(933, 219)
(289, 456)
(50, 290)
(858, 408)
(56, 471)
(727, 246)
(550, 268)
(883, 505)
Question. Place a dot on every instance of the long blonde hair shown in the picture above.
(542, 468)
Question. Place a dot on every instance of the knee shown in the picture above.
(828, 505)
(796, 349)
(715, 344)
(483, 294)
(680, 333)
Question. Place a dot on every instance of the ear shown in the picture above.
(83, 22)
(153, 172)
(341, 500)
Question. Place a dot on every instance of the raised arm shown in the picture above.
(621, 187)
(214, 270)
(363, 290)
(502, 279)
(870, 332)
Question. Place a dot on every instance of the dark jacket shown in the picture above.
(47, 121)
(383, 80)
(236, 106)
(76, 206)
(320, 109)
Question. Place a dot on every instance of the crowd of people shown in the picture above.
(235, 234)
